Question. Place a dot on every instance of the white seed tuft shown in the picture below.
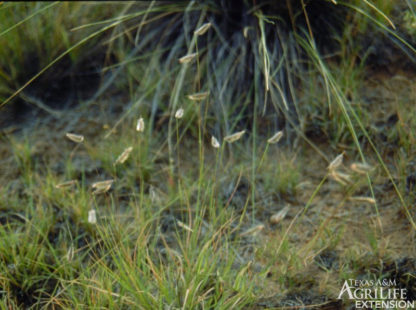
(102, 190)
(214, 142)
(340, 177)
(75, 138)
(361, 168)
(123, 156)
(92, 217)
(187, 58)
(179, 113)
(102, 186)
(203, 29)
(234, 137)
(198, 96)
(276, 137)
(140, 125)
(336, 162)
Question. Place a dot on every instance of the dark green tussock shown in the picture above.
(200, 208)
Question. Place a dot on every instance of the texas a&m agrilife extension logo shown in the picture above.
(376, 294)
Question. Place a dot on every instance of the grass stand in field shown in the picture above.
(206, 155)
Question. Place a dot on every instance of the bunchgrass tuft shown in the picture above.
(234, 155)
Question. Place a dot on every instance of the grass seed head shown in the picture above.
(336, 162)
(184, 226)
(179, 113)
(340, 177)
(187, 58)
(198, 96)
(101, 190)
(364, 199)
(66, 184)
(245, 32)
(361, 168)
(276, 137)
(234, 137)
(75, 138)
(344, 176)
(215, 143)
(253, 231)
(92, 217)
(70, 254)
(279, 216)
(102, 186)
(203, 29)
(140, 125)
(123, 156)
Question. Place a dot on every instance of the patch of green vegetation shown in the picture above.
(261, 175)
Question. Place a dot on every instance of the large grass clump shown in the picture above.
(204, 155)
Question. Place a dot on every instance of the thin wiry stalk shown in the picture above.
(177, 88)
(343, 104)
(28, 18)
